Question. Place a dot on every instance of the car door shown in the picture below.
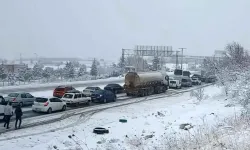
(85, 98)
(30, 98)
(52, 104)
(109, 95)
(75, 100)
(23, 99)
(79, 98)
(58, 104)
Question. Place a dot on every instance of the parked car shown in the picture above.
(103, 96)
(115, 88)
(48, 105)
(75, 98)
(196, 81)
(175, 84)
(196, 76)
(20, 98)
(186, 82)
(89, 90)
(203, 79)
(211, 79)
(61, 90)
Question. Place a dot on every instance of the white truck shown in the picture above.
(146, 83)
(75, 98)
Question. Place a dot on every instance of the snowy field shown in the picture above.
(147, 123)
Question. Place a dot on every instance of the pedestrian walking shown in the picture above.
(8, 112)
(19, 114)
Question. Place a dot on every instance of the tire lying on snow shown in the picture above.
(123, 120)
(99, 130)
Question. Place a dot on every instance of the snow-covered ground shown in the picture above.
(147, 123)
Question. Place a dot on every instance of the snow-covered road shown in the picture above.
(147, 122)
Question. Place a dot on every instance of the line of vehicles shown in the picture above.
(137, 84)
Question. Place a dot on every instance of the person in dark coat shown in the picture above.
(19, 114)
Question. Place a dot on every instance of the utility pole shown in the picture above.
(182, 56)
(36, 56)
(21, 61)
(177, 59)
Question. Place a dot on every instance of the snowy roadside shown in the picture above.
(147, 123)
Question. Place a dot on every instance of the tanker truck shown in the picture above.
(146, 83)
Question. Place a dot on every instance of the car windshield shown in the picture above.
(60, 89)
(41, 100)
(98, 92)
(13, 95)
(172, 81)
(111, 85)
(184, 80)
(68, 95)
(90, 88)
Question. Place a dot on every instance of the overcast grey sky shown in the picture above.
(101, 28)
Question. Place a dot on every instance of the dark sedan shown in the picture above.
(103, 96)
(115, 88)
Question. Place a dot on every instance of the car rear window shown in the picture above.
(91, 88)
(172, 81)
(41, 100)
(68, 95)
(184, 80)
(60, 89)
(98, 92)
(13, 94)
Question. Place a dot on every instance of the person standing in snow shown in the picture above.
(19, 114)
(8, 112)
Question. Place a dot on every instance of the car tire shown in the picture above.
(104, 100)
(99, 130)
(88, 102)
(114, 100)
(64, 108)
(49, 111)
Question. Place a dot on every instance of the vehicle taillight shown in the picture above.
(46, 104)
(14, 99)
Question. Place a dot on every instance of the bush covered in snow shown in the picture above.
(232, 72)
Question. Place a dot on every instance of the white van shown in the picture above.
(75, 98)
